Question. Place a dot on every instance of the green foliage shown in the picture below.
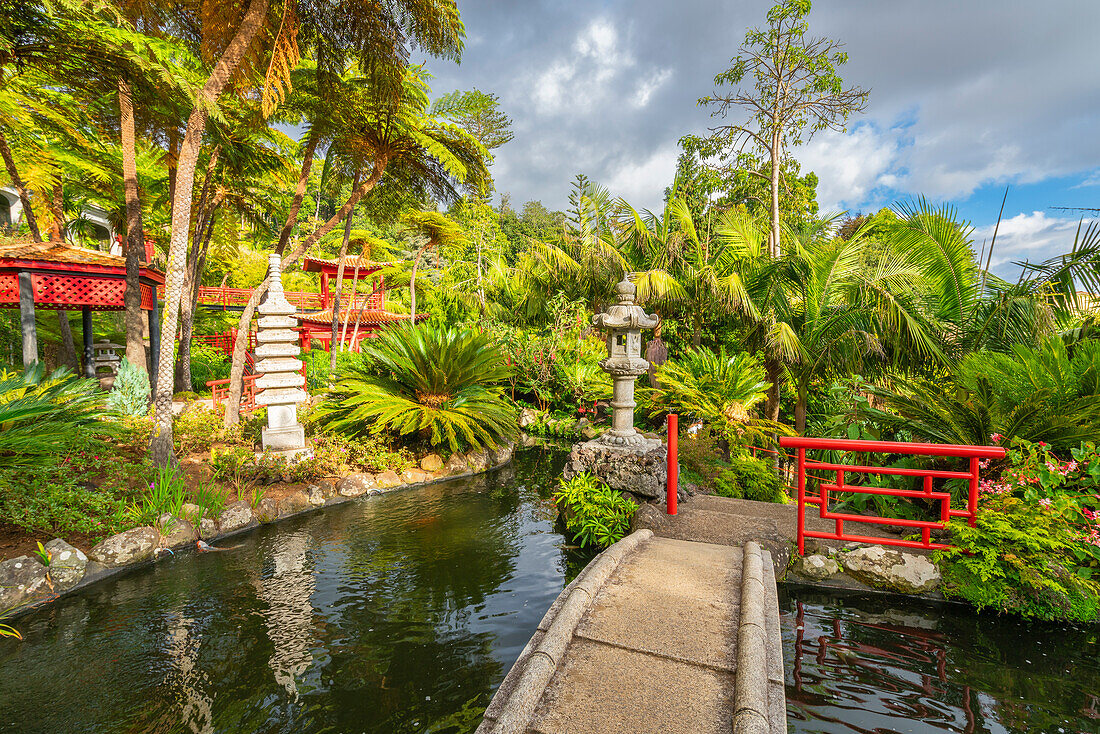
(211, 499)
(717, 390)
(701, 457)
(42, 554)
(750, 479)
(1022, 559)
(595, 515)
(1035, 393)
(207, 363)
(166, 494)
(130, 395)
(197, 429)
(441, 385)
(41, 416)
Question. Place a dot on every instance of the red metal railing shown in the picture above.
(224, 297)
(825, 487)
(219, 390)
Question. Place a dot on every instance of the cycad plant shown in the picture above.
(718, 390)
(40, 415)
(1035, 393)
(444, 385)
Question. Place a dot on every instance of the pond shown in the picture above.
(860, 664)
(399, 613)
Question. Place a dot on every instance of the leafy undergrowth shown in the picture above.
(595, 515)
(739, 475)
(1023, 559)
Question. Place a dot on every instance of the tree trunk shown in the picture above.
(67, 355)
(299, 192)
(233, 403)
(193, 275)
(135, 236)
(351, 306)
(340, 284)
(161, 444)
(800, 410)
(774, 371)
(57, 212)
(412, 281)
(773, 236)
(17, 184)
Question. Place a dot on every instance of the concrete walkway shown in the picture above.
(655, 635)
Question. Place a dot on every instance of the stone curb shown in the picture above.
(542, 662)
(97, 572)
(750, 699)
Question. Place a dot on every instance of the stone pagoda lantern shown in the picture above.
(281, 379)
(624, 322)
(623, 458)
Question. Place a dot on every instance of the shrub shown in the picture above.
(595, 515)
(130, 396)
(1025, 559)
(207, 363)
(750, 479)
(51, 499)
(443, 385)
(197, 429)
(701, 458)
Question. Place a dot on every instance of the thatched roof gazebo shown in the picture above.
(57, 275)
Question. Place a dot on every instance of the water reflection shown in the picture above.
(864, 665)
(396, 614)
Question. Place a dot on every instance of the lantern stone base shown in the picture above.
(640, 469)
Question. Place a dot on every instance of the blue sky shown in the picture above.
(966, 98)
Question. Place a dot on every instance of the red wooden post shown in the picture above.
(673, 463)
(801, 501)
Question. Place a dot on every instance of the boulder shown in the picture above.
(21, 579)
(191, 512)
(891, 569)
(457, 464)
(478, 460)
(818, 567)
(414, 476)
(354, 485)
(175, 531)
(431, 463)
(207, 528)
(503, 454)
(527, 417)
(292, 504)
(136, 544)
(641, 471)
(388, 480)
(235, 516)
(67, 564)
(328, 488)
(315, 496)
(266, 510)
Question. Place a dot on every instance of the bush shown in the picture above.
(701, 458)
(1024, 559)
(197, 429)
(130, 396)
(207, 364)
(595, 515)
(750, 479)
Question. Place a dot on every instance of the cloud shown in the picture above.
(1033, 237)
(647, 86)
(578, 80)
(642, 183)
(849, 166)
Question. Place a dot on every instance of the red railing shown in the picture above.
(225, 297)
(974, 454)
(219, 390)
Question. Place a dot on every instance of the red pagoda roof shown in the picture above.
(60, 254)
(363, 316)
(329, 265)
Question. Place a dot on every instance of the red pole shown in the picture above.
(673, 463)
(801, 501)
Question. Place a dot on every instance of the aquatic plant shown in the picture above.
(595, 515)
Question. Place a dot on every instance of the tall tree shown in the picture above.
(793, 92)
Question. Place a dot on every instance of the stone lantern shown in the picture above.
(280, 377)
(624, 321)
(624, 459)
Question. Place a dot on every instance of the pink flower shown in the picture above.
(995, 437)
(1045, 502)
(1042, 443)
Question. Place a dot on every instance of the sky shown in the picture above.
(966, 99)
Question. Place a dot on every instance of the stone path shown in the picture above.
(655, 635)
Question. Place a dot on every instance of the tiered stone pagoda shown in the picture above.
(280, 380)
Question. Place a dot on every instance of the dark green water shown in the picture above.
(400, 613)
(858, 664)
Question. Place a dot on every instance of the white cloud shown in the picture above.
(849, 166)
(575, 82)
(643, 183)
(647, 86)
(1033, 237)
